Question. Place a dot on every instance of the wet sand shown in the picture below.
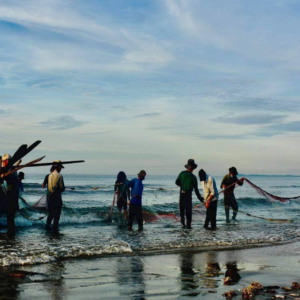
(170, 276)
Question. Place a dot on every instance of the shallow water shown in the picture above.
(85, 230)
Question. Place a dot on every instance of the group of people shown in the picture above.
(129, 193)
(188, 183)
(12, 188)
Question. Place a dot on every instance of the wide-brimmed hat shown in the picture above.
(58, 163)
(21, 175)
(233, 171)
(191, 164)
(6, 156)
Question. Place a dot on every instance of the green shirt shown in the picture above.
(187, 181)
(227, 181)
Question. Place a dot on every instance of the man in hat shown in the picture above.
(56, 186)
(229, 198)
(135, 203)
(211, 197)
(21, 176)
(187, 182)
(12, 196)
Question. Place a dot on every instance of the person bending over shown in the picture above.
(123, 193)
(211, 198)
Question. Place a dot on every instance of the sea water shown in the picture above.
(86, 230)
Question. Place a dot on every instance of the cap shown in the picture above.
(141, 173)
(21, 175)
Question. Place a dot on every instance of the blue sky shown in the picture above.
(130, 85)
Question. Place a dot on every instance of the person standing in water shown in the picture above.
(11, 197)
(211, 198)
(21, 176)
(56, 186)
(187, 182)
(123, 193)
(45, 184)
(135, 203)
(229, 198)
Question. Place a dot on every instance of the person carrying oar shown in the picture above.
(56, 186)
(12, 195)
(229, 198)
(123, 193)
(187, 182)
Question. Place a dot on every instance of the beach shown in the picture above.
(173, 276)
(94, 257)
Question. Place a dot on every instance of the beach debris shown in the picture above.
(256, 285)
(295, 286)
(229, 294)
(247, 293)
(279, 297)
(287, 289)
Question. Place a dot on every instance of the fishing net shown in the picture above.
(267, 195)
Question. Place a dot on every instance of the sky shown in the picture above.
(130, 85)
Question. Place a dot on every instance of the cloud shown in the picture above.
(226, 137)
(258, 104)
(148, 115)
(62, 123)
(95, 133)
(3, 112)
(251, 119)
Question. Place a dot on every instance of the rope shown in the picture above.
(107, 186)
(253, 216)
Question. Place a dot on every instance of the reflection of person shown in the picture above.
(56, 186)
(211, 198)
(12, 196)
(135, 204)
(231, 275)
(186, 264)
(123, 193)
(187, 182)
(229, 198)
(130, 277)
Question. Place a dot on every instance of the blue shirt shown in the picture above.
(137, 187)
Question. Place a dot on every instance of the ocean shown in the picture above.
(86, 231)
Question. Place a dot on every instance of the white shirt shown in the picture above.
(210, 188)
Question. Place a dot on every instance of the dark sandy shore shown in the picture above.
(172, 276)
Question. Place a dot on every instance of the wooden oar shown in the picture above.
(56, 163)
(21, 167)
(18, 163)
(21, 152)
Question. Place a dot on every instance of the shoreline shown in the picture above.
(163, 276)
